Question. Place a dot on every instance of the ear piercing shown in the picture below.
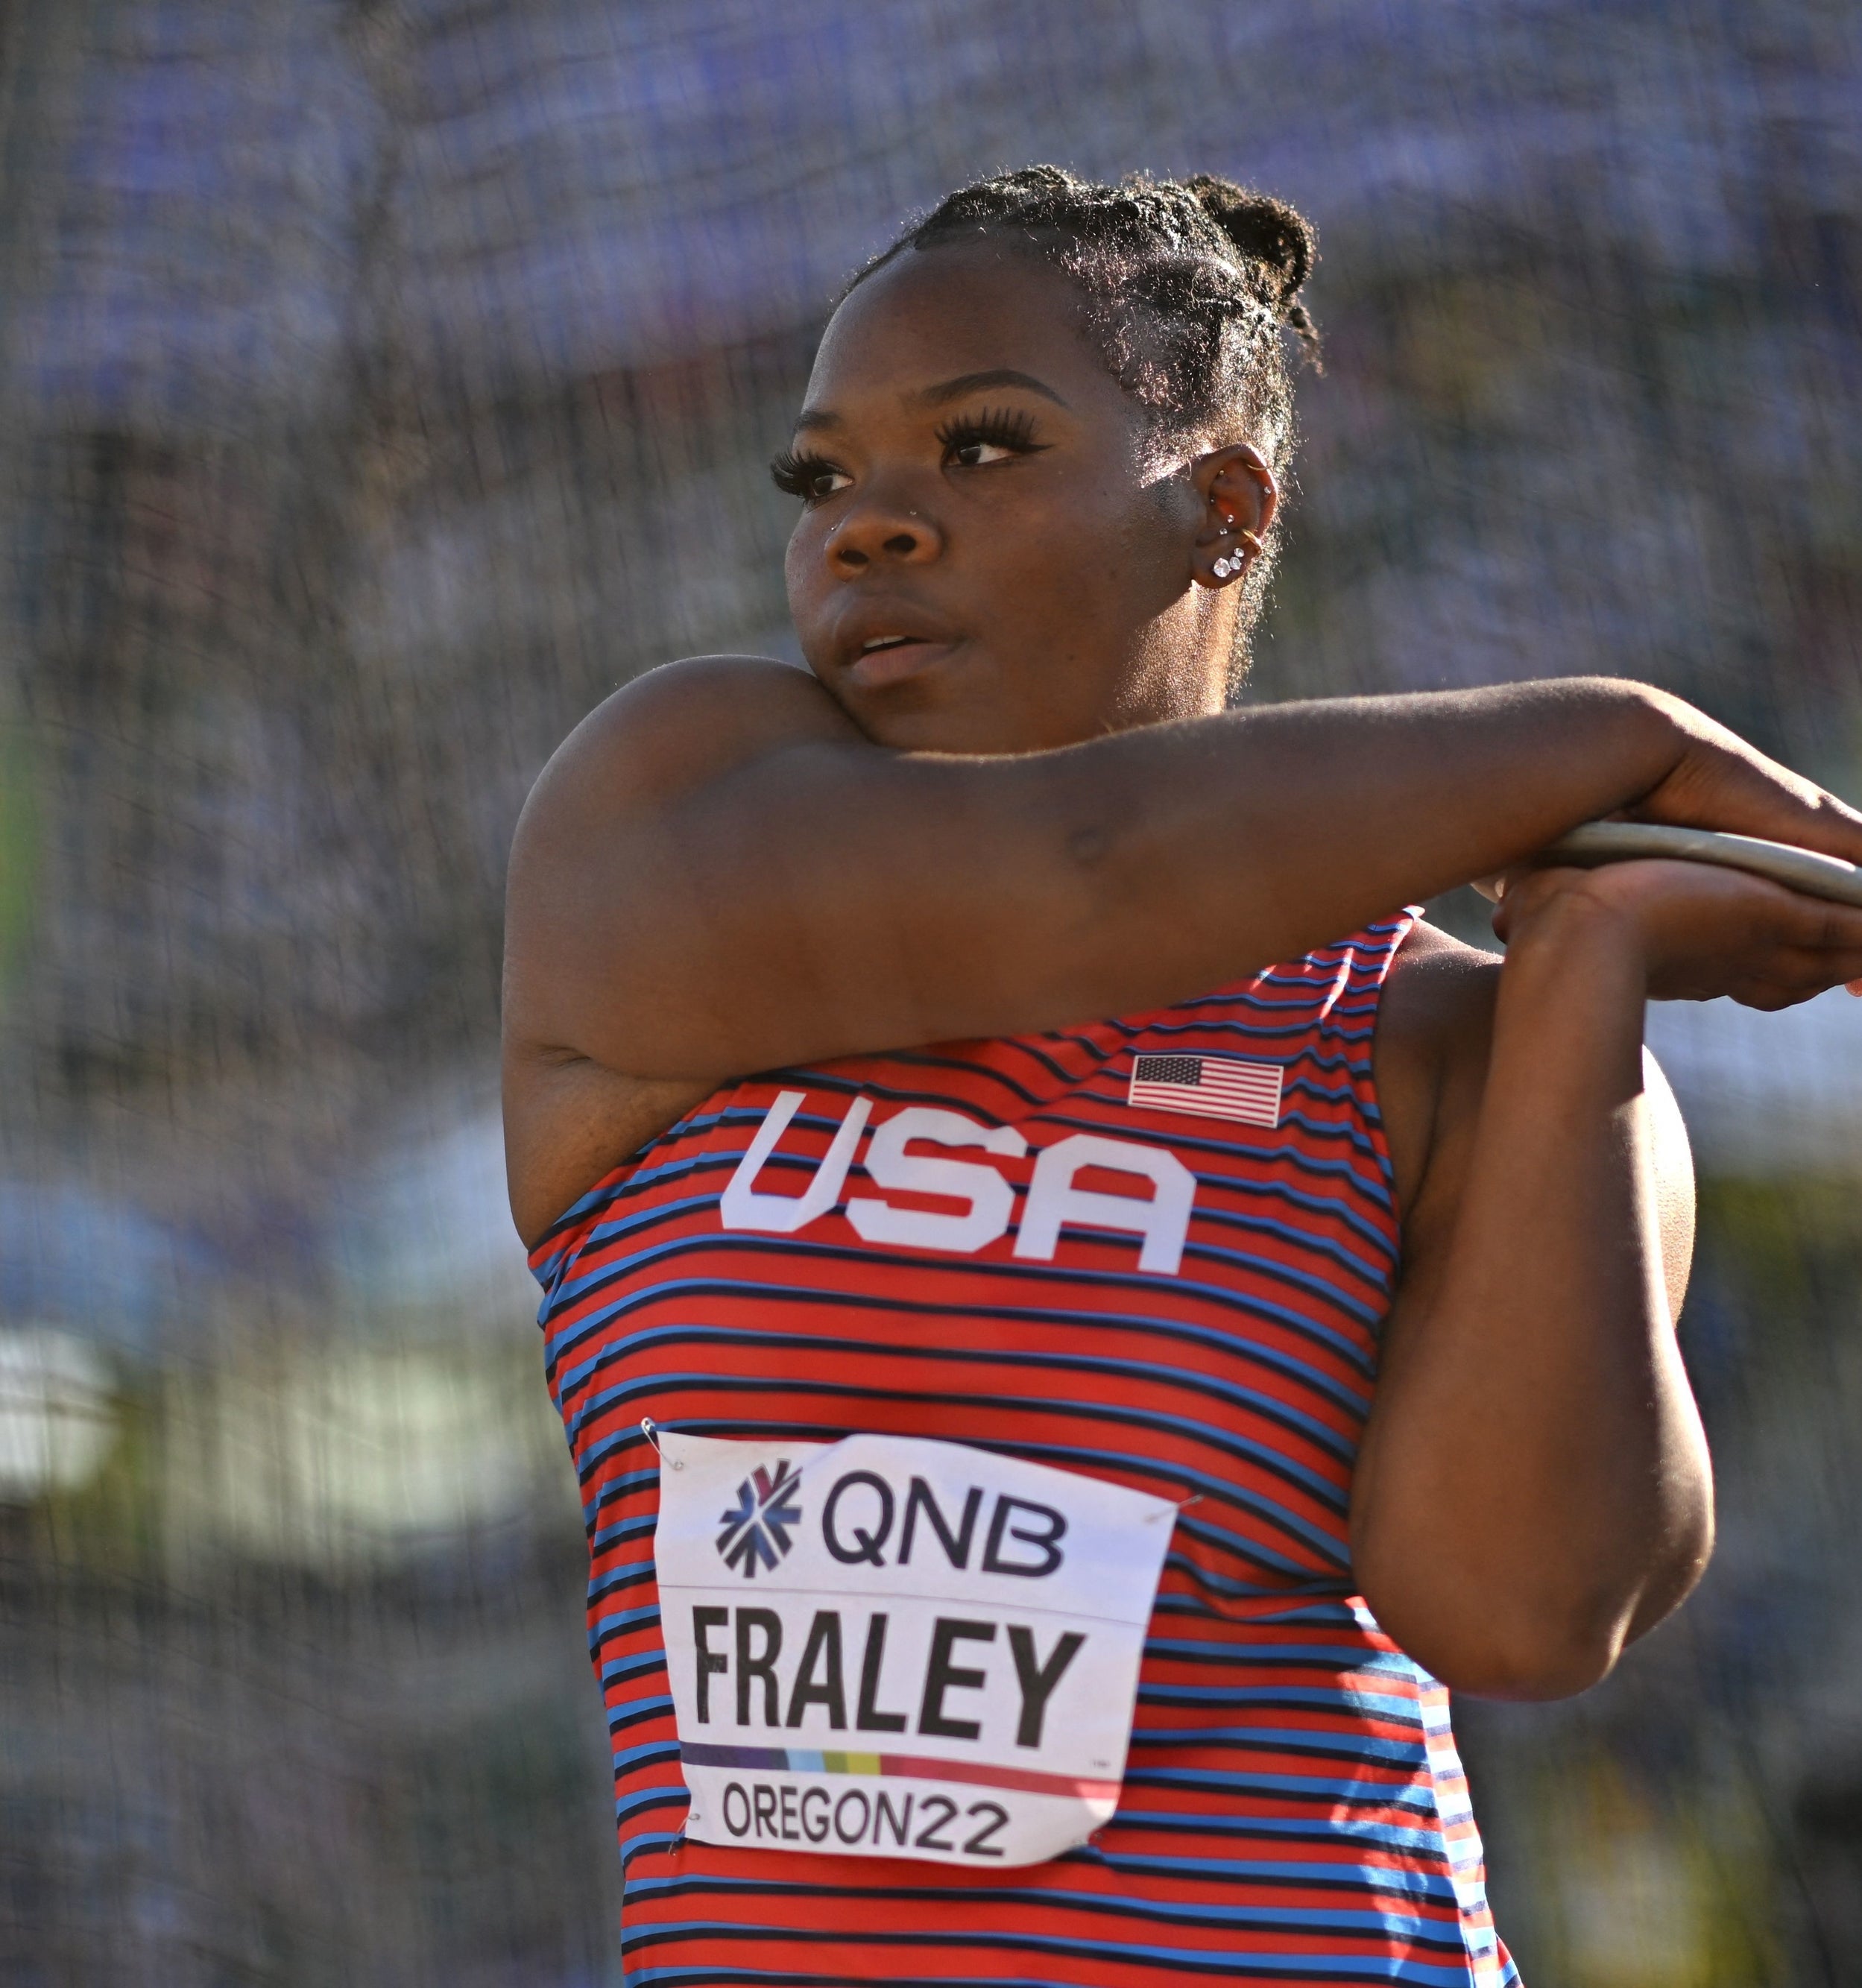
(1236, 563)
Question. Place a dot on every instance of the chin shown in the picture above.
(941, 711)
(935, 724)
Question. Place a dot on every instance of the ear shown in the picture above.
(1238, 498)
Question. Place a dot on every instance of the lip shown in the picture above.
(890, 666)
(926, 641)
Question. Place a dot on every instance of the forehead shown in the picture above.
(937, 314)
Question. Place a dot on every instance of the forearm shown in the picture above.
(1535, 1488)
(881, 900)
(1278, 829)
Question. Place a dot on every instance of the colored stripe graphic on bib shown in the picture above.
(917, 1766)
(1210, 1086)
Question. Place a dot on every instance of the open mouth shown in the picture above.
(892, 656)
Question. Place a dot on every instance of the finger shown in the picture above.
(1797, 976)
(1771, 999)
(1524, 886)
(1774, 985)
(1837, 960)
(1725, 782)
(1832, 931)
(1495, 887)
(1816, 924)
(1841, 934)
(1788, 956)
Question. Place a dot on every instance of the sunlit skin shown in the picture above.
(1037, 811)
(1059, 579)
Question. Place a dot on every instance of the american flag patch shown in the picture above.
(1214, 1086)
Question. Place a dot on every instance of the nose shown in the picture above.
(878, 530)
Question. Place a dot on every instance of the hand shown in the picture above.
(1696, 931)
(1721, 782)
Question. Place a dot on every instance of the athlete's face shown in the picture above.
(978, 483)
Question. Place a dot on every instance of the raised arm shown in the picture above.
(717, 873)
(1533, 1489)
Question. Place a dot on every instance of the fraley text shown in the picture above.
(746, 1665)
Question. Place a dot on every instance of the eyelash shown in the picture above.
(1005, 428)
(795, 471)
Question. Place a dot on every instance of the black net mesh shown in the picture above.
(382, 384)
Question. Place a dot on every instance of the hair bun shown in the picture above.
(1277, 244)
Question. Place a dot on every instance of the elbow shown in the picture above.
(1524, 1668)
(1488, 1645)
(1522, 1621)
(1479, 1639)
(1540, 1648)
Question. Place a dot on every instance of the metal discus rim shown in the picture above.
(1805, 869)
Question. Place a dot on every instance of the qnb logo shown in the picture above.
(756, 1530)
(1159, 1215)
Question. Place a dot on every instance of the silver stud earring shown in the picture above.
(1236, 562)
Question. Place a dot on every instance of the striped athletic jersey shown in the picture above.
(996, 1243)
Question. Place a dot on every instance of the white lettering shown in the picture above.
(991, 1198)
(742, 1207)
(1162, 1219)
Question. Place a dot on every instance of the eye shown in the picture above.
(974, 454)
(976, 441)
(811, 478)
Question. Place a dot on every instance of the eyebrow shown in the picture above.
(945, 391)
(973, 383)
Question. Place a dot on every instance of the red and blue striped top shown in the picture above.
(1293, 1808)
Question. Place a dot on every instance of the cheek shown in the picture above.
(1047, 553)
(1146, 555)
(802, 565)
(1101, 570)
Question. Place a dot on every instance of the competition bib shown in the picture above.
(892, 1647)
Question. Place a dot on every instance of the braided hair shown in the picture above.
(1189, 285)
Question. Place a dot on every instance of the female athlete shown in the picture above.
(985, 1036)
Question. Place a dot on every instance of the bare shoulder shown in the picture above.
(679, 725)
(568, 1120)
(591, 819)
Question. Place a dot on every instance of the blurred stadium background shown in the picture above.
(384, 380)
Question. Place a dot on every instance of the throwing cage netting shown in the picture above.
(384, 381)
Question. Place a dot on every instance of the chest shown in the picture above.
(1201, 1197)
(1156, 1250)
